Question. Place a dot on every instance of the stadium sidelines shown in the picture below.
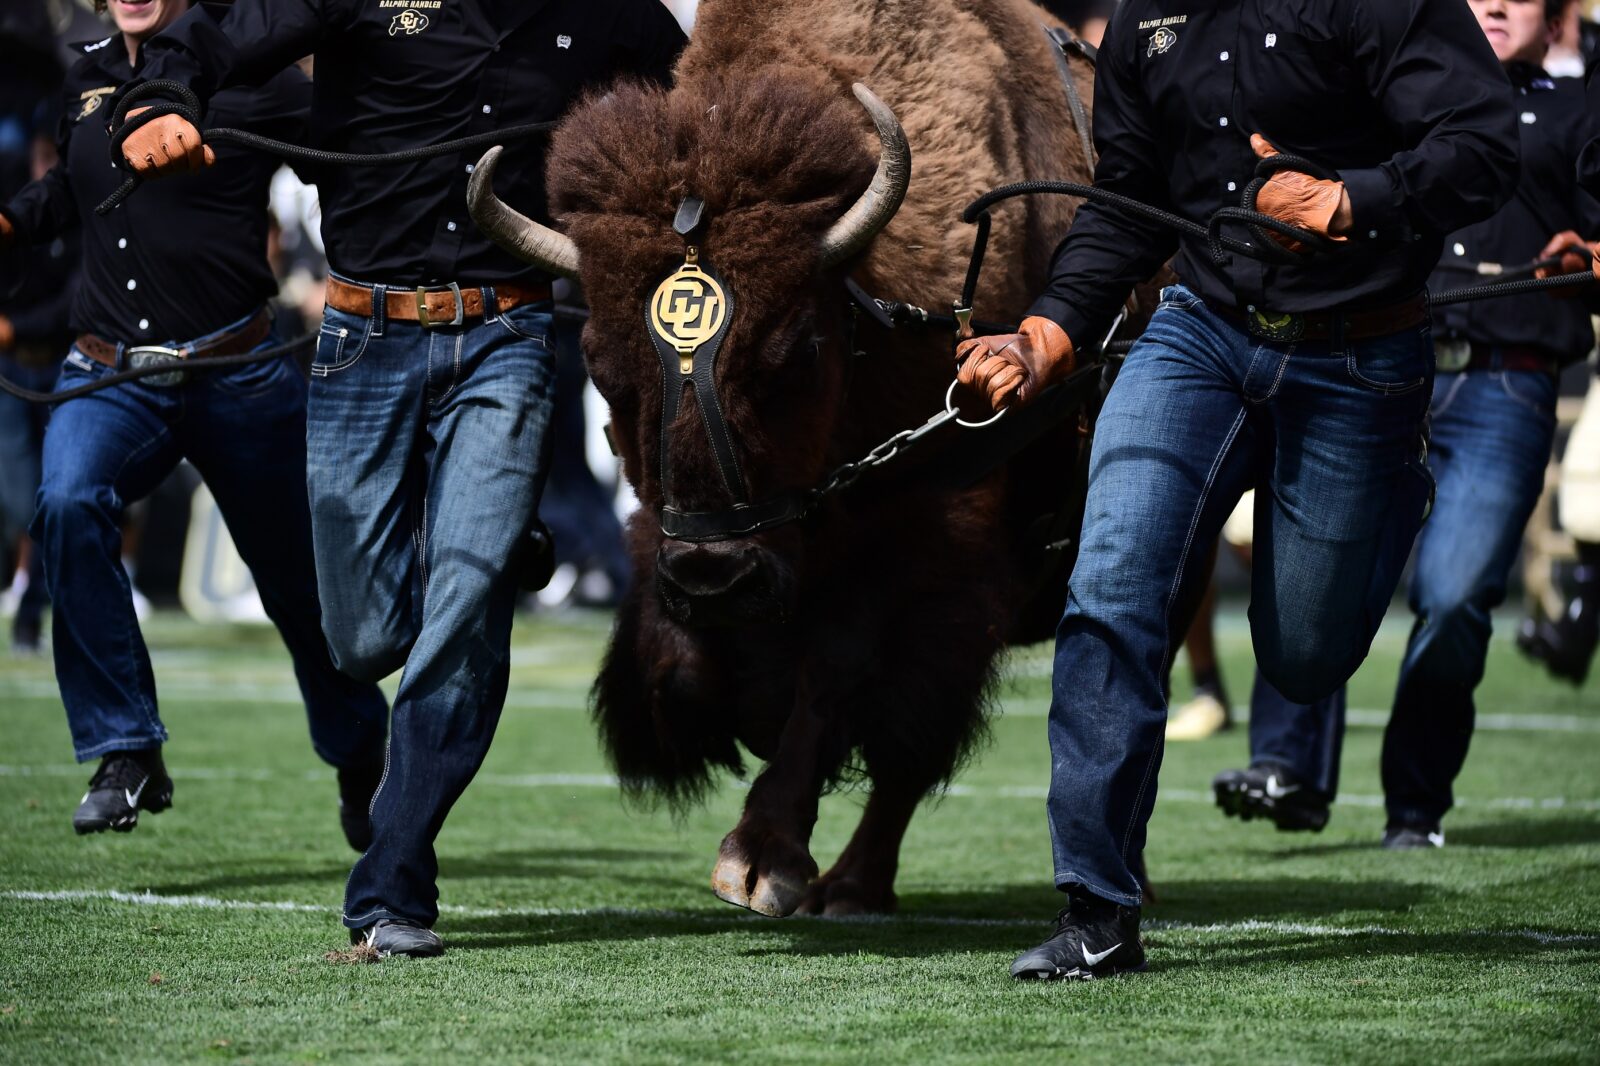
(607, 781)
(150, 899)
(575, 698)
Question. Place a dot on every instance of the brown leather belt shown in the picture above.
(239, 341)
(1319, 325)
(1452, 355)
(449, 305)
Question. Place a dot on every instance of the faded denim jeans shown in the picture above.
(1491, 432)
(427, 457)
(1331, 434)
(244, 429)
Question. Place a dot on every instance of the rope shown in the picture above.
(221, 362)
(187, 106)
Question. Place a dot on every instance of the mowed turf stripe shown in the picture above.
(553, 696)
(150, 899)
(608, 781)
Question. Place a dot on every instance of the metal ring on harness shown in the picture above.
(951, 409)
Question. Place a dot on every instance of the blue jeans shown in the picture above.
(21, 445)
(1491, 438)
(427, 458)
(1492, 432)
(1304, 738)
(1331, 433)
(244, 431)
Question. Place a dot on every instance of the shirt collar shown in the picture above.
(1530, 77)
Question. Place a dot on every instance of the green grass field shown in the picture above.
(581, 930)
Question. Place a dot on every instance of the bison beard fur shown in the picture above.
(870, 643)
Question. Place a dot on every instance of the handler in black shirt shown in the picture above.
(1492, 421)
(432, 385)
(181, 270)
(1308, 381)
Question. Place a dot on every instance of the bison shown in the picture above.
(861, 639)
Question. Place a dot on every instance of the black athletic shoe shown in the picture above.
(1093, 938)
(356, 787)
(1270, 792)
(389, 936)
(126, 783)
(1412, 837)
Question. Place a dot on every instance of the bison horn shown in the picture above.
(518, 234)
(869, 214)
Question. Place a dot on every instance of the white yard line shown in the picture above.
(150, 899)
(1034, 707)
(609, 781)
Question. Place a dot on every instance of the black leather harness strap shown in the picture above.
(701, 377)
(1063, 44)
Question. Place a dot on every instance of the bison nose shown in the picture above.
(714, 584)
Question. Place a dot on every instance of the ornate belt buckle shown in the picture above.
(1271, 326)
(155, 355)
(422, 308)
(1451, 355)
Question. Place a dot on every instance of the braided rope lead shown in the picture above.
(187, 105)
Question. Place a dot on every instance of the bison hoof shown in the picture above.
(769, 877)
(841, 897)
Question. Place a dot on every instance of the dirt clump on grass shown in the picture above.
(354, 955)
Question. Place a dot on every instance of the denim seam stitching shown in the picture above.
(120, 744)
(151, 715)
(1172, 594)
(1382, 387)
(1449, 396)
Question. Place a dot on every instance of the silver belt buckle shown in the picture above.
(155, 355)
(422, 308)
(1451, 355)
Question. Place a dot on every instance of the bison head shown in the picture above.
(778, 177)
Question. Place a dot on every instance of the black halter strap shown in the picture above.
(696, 370)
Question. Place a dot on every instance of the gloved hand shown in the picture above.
(8, 333)
(166, 145)
(1299, 199)
(1571, 260)
(1015, 367)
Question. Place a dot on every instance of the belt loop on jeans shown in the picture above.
(380, 309)
(491, 309)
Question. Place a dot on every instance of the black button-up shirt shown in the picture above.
(1402, 98)
(1554, 127)
(184, 256)
(393, 74)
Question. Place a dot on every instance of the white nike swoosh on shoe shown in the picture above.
(1277, 791)
(133, 797)
(1436, 839)
(1095, 958)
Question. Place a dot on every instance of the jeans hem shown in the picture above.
(1067, 879)
(1412, 816)
(121, 744)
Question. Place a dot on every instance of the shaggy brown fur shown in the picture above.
(895, 600)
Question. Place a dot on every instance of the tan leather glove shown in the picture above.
(1299, 199)
(1571, 261)
(8, 333)
(1015, 367)
(166, 145)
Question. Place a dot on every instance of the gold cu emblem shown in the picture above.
(92, 100)
(408, 22)
(688, 309)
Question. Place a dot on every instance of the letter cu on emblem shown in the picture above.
(688, 309)
(1161, 42)
(409, 22)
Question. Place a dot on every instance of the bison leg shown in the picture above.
(862, 881)
(765, 864)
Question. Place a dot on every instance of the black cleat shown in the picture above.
(389, 936)
(357, 784)
(1270, 792)
(1412, 837)
(1093, 938)
(126, 783)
